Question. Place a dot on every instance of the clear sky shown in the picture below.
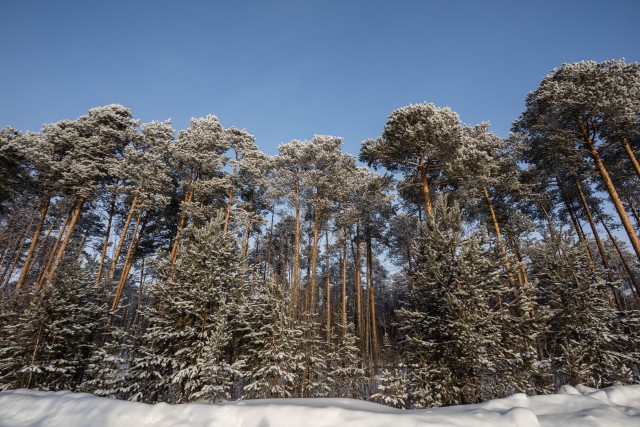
(290, 69)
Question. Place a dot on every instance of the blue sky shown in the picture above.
(290, 69)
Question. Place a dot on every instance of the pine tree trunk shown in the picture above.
(627, 269)
(634, 212)
(54, 249)
(67, 237)
(425, 187)
(269, 246)
(188, 198)
(578, 228)
(28, 262)
(4, 279)
(9, 271)
(123, 236)
(296, 259)
(631, 156)
(105, 245)
(516, 249)
(136, 310)
(358, 284)
(247, 227)
(496, 227)
(131, 253)
(372, 303)
(596, 236)
(328, 262)
(314, 257)
(344, 279)
(230, 193)
(590, 145)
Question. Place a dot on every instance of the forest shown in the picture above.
(443, 265)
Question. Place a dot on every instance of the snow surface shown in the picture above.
(579, 406)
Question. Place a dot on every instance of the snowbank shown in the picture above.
(579, 406)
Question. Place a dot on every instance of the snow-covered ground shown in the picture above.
(580, 406)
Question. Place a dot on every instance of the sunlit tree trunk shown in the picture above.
(188, 198)
(296, 257)
(372, 302)
(627, 269)
(28, 262)
(105, 245)
(631, 156)
(52, 252)
(67, 237)
(496, 228)
(344, 278)
(328, 266)
(425, 186)
(314, 256)
(624, 218)
(596, 236)
(123, 235)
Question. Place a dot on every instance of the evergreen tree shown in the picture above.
(346, 375)
(272, 363)
(586, 341)
(50, 344)
(392, 389)
(187, 347)
(452, 321)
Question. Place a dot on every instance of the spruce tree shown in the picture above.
(451, 322)
(187, 347)
(272, 361)
(585, 339)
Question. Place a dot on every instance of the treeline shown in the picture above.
(140, 263)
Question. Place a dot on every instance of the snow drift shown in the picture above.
(579, 406)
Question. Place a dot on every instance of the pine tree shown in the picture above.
(586, 341)
(346, 375)
(452, 320)
(392, 389)
(416, 138)
(50, 344)
(272, 363)
(186, 349)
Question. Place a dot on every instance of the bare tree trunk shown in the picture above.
(28, 262)
(105, 245)
(425, 187)
(590, 145)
